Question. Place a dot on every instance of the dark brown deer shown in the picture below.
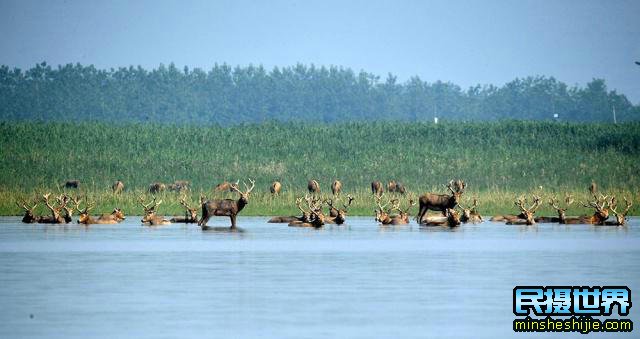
(528, 213)
(29, 216)
(441, 202)
(226, 207)
(401, 188)
(561, 218)
(377, 188)
(190, 213)
(275, 188)
(157, 187)
(117, 187)
(336, 187)
(71, 184)
(621, 219)
(313, 186)
(339, 215)
(471, 214)
(150, 217)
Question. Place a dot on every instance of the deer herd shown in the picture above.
(317, 210)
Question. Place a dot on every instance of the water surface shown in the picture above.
(272, 281)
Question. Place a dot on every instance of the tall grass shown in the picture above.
(497, 160)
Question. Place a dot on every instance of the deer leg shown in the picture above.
(233, 220)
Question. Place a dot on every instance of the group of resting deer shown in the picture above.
(601, 205)
(63, 203)
(313, 215)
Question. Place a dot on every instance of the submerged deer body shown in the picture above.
(29, 217)
(528, 213)
(314, 217)
(190, 213)
(226, 207)
(150, 217)
(471, 214)
(620, 216)
(451, 219)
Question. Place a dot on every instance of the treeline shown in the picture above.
(227, 95)
(493, 157)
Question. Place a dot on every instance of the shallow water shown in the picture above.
(357, 281)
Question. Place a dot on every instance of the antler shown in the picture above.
(298, 203)
(45, 198)
(235, 187)
(350, 199)
(520, 203)
(536, 203)
(598, 203)
(614, 205)
(378, 202)
(184, 203)
(450, 186)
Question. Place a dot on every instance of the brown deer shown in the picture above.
(528, 213)
(226, 207)
(313, 186)
(157, 187)
(190, 213)
(223, 186)
(117, 187)
(305, 217)
(55, 217)
(441, 202)
(561, 218)
(71, 184)
(377, 188)
(275, 188)
(338, 215)
(85, 218)
(150, 217)
(401, 188)
(403, 214)
(336, 187)
(316, 218)
(179, 186)
(621, 219)
(29, 216)
(471, 214)
(384, 215)
(392, 186)
(451, 219)
(601, 213)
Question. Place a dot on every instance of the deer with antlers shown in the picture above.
(150, 217)
(527, 213)
(316, 217)
(29, 216)
(290, 219)
(383, 214)
(601, 213)
(190, 213)
(561, 218)
(451, 219)
(620, 216)
(85, 218)
(441, 202)
(338, 215)
(226, 207)
(471, 214)
(55, 217)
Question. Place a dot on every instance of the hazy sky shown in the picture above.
(465, 42)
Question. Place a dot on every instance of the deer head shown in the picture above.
(190, 212)
(83, 216)
(568, 200)
(599, 204)
(528, 213)
(620, 216)
(456, 188)
(28, 217)
(244, 196)
(149, 209)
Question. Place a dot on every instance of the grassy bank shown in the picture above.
(497, 160)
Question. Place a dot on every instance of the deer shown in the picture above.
(392, 186)
(29, 217)
(441, 202)
(223, 186)
(561, 218)
(338, 215)
(117, 187)
(316, 218)
(275, 188)
(376, 188)
(150, 217)
(190, 213)
(179, 186)
(305, 217)
(528, 213)
(226, 207)
(621, 219)
(56, 217)
(470, 214)
(451, 219)
(85, 218)
(336, 187)
(71, 184)
(403, 214)
(384, 215)
(601, 213)
(313, 186)
(157, 187)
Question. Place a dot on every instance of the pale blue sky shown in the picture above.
(465, 42)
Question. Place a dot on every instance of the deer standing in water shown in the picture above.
(441, 202)
(315, 217)
(226, 207)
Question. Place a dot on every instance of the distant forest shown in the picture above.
(230, 95)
